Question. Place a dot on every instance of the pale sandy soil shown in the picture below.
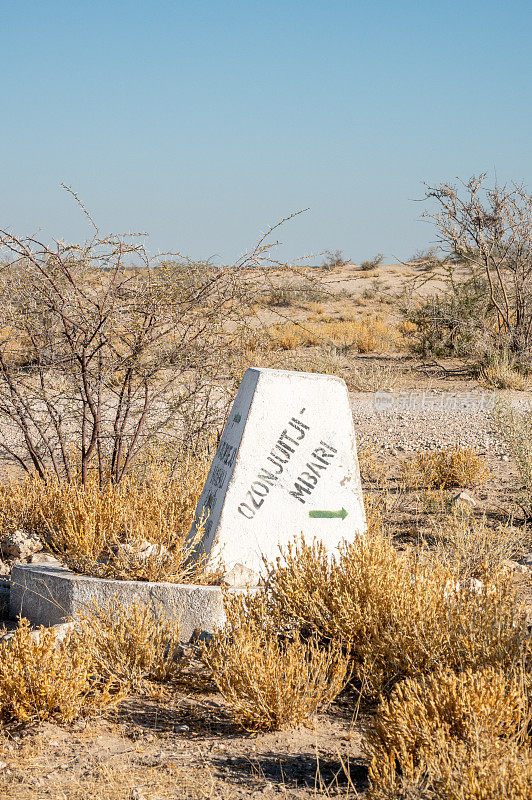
(183, 744)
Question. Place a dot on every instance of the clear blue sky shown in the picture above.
(201, 122)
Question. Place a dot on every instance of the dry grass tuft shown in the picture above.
(500, 373)
(134, 530)
(289, 336)
(43, 679)
(456, 466)
(473, 547)
(399, 617)
(373, 377)
(516, 428)
(370, 334)
(132, 644)
(453, 737)
(271, 682)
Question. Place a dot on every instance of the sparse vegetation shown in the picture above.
(370, 334)
(516, 428)
(484, 309)
(133, 644)
(372, 263)
(41, 679)
(105, 350)
(294, 293)
(456, 466)
(428, 258)
(423, 621)
(499, 372)
(472, 546)
(271, 681)
(456, 736)
(333, 259)
(132, 530)
(373, 377)
(399, 616)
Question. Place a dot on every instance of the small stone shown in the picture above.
(61, 632)
(241, 576)
(515, 566)
(3, 764)
(182, 729)
(471, 585)
(526, 560)
(45, 558)
(143, 550)
(465, 499)
(20, 544)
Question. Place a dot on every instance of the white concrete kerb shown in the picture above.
(51, 595)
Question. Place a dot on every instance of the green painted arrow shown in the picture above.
(328, 514)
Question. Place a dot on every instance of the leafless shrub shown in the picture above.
(104, 349)
(486, 236)
(334, 258)
(428, 258)
(372, 263)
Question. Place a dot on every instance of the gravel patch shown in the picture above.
(398, 422)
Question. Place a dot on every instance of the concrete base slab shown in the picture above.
(49, 595)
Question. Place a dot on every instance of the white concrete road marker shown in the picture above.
(286, 465)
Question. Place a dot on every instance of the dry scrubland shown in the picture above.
(403, 669)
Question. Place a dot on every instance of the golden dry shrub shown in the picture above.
(290, 336)
(133, 530)
(475, 547)
(132, 644)
(42, 679)
(271, 681)
(500, 372)
(515, 426)
(364, 335)
(454, 737)
(454, 466)
(398, 615)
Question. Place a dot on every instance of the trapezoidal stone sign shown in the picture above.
(286, 466)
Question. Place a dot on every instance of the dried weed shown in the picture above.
(43, 679)
(456, 466)
(270, 681)
(399, 616)
(453, 737)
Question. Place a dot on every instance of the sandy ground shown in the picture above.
(183, 744)
(178, 747)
